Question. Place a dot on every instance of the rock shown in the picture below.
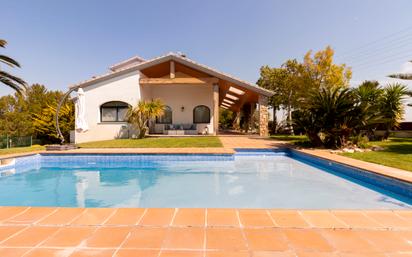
(377, 148)
(358, 150)
(348, 150)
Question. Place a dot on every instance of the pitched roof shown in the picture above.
(127, 63)
(128, 66)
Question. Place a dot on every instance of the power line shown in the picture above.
(372, 55)
(391, 55)
(376, 41)
(383, 61)
(376, 67)
(373, 52)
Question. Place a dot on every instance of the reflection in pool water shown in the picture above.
(245, 182)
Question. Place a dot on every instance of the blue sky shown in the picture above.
(60, 43)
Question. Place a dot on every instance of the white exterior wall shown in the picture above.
(188, 96)
(125, 88)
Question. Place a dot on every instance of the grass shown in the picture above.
(21, 149)
(295, 140)
(397, 153)
(156, 143)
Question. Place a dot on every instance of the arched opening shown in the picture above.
(167, 117)
(114, 111)
(201, 114)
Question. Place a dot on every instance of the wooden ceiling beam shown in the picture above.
(172, 70)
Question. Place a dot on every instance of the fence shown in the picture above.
(10, 142)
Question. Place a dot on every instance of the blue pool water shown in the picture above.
(245, 180)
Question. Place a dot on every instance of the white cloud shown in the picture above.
(406, 67)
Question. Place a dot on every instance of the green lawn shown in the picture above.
(290, 138)
(159, 142)
(21, 149)
(397, 153)
(296, 140)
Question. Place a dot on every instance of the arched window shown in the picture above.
(166, 118)
(113, 111)
(201, 114)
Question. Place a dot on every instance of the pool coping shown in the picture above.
(394, 173)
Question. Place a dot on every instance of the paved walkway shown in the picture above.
(249, 142)
(202, 232)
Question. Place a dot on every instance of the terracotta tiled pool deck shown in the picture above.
(34, 231)
(202, 232)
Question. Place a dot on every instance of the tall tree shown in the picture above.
(17, 112)
(294, 80)
(321, 72)
(6, 78)
(286, 82)
(14, 117)
(45, 126)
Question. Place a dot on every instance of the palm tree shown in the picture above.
(368, 95)
(332, 112)
(144, 111)
(368, 92)
(337, 114)
(391, 106)
(6, 78)
(404, 76)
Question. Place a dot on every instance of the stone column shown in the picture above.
(215, 108)
(263, 116)
(252, 116)
(236, 121)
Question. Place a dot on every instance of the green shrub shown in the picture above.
(361, 141)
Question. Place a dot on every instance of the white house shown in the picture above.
(191, 91)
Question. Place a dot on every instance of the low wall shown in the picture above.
(396, 133)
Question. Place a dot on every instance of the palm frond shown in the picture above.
(9, 61)
(407, 76)
(15, 79)
(3, 43)
(20, 90)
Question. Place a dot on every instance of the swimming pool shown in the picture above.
(248, 179)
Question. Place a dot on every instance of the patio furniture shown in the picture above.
(180, 129)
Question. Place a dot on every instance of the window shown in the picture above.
(166, 118)
(113, 111)
(201, 114)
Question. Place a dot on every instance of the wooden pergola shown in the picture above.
(228, 92)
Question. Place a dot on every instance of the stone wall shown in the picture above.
(263, 116)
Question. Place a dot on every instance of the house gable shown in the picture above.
(160, 66)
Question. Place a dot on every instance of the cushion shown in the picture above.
(187, 126)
